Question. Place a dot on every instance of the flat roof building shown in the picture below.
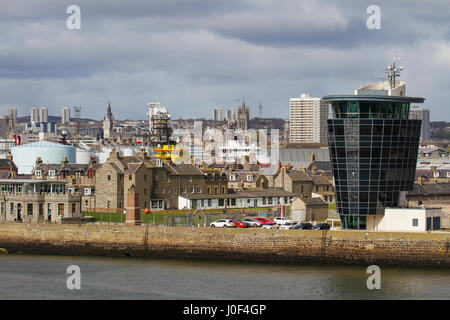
(307, 120)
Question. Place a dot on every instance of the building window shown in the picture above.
(130, 177)
(11, 208)
(317, 189)
(145, 177)
(2, 210)
(223, 189)
(77, 174)
(221, 202)
(263, 200)
(109, 177)
(216, 190)
(167, 180)
(232, 177)
(192, 190)
(209, 190)
(87, 191)
(37, 174)
(74, 207)
(209, 202)
(49, 209)
(86, 203)
(249, 177)
(415, 222)
(190, 179)
(51, 173)
(41, 209)
(183, 190)
(30, 209)
(199, 190)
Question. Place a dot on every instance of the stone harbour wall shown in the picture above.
(253, 244)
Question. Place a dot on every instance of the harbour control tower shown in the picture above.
(373, 150)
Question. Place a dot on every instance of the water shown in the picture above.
(44, 277)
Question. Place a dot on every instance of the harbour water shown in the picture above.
(44, 277)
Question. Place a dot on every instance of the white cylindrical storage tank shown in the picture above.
(103, 155)
(127, 152)
(24, 156)
(83, 156)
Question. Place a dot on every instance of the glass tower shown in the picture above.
(373, 150)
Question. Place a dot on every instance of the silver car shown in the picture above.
(288, 225)
(252, 222)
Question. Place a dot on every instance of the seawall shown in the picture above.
(256, 245)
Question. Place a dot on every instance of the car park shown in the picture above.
(303, 226)
(321, 226)
(223, 223)
(252, 222)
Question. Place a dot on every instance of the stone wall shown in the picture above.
(258, 245)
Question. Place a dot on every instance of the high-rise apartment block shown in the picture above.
(34, 115)
(65, 115)
(423, 114)
(308, 119)
(43, 115)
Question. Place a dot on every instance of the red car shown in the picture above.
(240, 224)
(263, 220)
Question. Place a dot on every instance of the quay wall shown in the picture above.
(253, 245)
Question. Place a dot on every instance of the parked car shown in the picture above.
(282, 220)
(321, 226)
(288, 225)
(263, 220)
(240, 224)
(223, 223)
(252, 222)
(270, 225)
(303, 226)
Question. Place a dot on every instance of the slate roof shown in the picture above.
(298, 175)
(70, 168)
(6, 164)
(431, 189)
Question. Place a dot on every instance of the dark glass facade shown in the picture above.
(373, 150)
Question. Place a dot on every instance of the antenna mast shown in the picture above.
(392, 72)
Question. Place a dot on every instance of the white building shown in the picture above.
(406, 220)
(308, 119)
(423, 114)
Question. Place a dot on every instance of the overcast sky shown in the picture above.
(197, 55)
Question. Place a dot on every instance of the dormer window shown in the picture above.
(51, 174)
(249, 177)
(232, 177)
(158, 163)
(38, 174)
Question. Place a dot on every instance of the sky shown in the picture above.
(197, 55)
